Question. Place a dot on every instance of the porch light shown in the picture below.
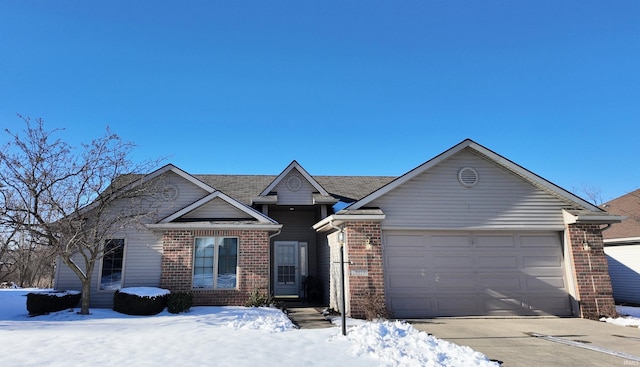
(586, 246)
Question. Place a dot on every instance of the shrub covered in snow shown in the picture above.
(141, 301)
(41, 303)
(179, 302)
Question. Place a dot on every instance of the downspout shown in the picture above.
(269, 272)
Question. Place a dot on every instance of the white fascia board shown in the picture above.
(304, 174)
(498, 159)
(219, 194)
(622, 241)
(409, 175)
(179, 172)
(210, 225)
(525, 173)
(570, 218)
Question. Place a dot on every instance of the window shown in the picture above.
(215, 262)
(111, 273)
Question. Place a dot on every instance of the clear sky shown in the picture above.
(343, 87)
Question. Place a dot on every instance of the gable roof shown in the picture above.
(629, 229)
(294, 165)
(244, 188)
(218, 194)
(490, 155)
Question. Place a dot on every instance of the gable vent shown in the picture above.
(468, 176)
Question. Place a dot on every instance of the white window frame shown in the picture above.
(122, 272)
(218, 241)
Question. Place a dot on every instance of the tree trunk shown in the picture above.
(86, 291)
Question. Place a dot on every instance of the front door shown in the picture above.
(288, 267)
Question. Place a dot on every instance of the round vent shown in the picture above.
(294, 183)
(468, 177)
(170, 192)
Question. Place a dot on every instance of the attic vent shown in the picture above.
(468, 176)
(294, 183)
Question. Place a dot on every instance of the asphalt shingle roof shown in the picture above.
(246, 187)
(629, 206)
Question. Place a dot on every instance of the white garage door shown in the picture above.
(465, 274)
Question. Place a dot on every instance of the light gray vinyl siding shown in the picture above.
(500, 200)
(324, 266)
(217, 209)
(301, 196)
(624, 269)
(143, 249)
(296, 226)
(188, 193)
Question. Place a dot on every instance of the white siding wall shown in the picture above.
(624, 269)
(286, 196)
(143, 249)
(217, 208)
(500, 200)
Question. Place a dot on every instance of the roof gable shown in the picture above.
(489, 155)
(297, 167)
(217, 205)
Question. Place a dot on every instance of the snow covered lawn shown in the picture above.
(220, 336)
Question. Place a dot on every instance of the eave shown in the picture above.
(589, 217)
(214, 225)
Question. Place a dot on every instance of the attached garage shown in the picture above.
(430, 273)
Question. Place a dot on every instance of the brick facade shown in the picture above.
(591, 271)
(253, 265)
(366, 276)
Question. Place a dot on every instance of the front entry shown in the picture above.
(290, 268)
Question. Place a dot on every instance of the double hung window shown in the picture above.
(215, 262)
(112, 264)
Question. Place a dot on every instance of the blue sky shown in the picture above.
(343, 87)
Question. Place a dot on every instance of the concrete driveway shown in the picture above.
(541, 341)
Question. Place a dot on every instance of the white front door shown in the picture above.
(288, 267)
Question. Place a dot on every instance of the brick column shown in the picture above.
(591, 271)
(365, 270)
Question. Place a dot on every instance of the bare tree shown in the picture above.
(73, 200)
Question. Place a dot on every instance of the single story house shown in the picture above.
(622, 247)
(468, 232)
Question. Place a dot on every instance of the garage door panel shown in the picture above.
(541, 261)
(505, 282)
(405, 261)
(455, 305)
(501, 306)
(410, 306)
(540, 241)
(406, 240)
(462, 261)
(505, 241)
(497, 262)
(548, 304)
(448, 241)
(545, 283)
(455, 282)
(465, 274)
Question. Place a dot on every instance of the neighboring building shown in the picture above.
(466, 233)
(622, 247)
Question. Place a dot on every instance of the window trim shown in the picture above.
(217, 242)
(124, 261)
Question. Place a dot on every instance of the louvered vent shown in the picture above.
(468, 177)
